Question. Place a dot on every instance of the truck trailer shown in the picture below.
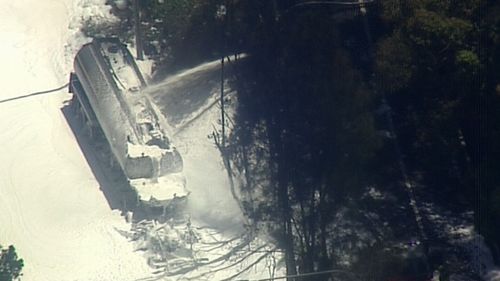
(107, 85)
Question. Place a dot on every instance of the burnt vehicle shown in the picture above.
(107, 86)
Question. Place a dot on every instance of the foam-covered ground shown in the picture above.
(189, 101)
(51, 207)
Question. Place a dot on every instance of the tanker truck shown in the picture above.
(107, 87)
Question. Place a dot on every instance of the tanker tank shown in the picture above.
(108, 86)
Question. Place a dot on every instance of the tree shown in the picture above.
(183, 33)
(445, 92)
(10, 264)
(305, 130)
(394, 64)
(489, 120)
(317, 115)
(428, 63)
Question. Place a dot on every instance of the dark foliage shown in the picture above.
(309, 137)
(437, 63)
(10, 264)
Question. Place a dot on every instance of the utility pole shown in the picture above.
(138, 30)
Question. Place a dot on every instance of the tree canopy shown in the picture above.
(10, 264)
(310, 136)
